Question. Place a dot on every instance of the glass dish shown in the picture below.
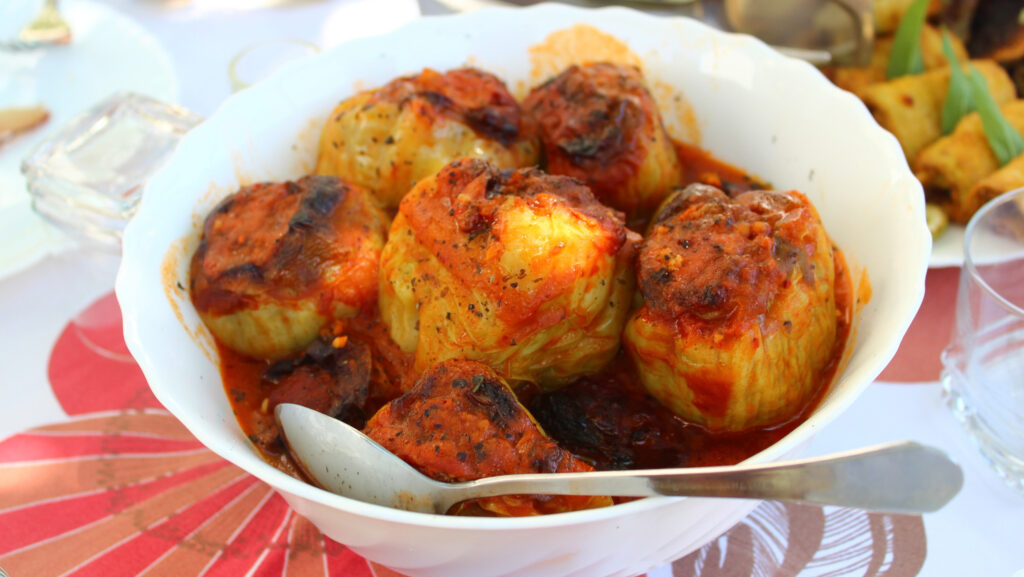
(88, 177)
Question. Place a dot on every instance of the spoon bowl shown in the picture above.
(904, 477)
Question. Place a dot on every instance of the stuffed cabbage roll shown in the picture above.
(521, 270)
(738, 318)
(389, 138)
(461, 422)
(599, 124)
(278, 261)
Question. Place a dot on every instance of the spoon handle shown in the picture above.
(903, 477)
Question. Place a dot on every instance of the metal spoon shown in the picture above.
(48, 27)
(903, 477)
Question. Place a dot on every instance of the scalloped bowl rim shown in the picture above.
(139, 235)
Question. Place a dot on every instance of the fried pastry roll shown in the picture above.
(996, 31)
(910, 107)
(599, 124)
(856, 79)
(389, 138)
(739, 317)
(461, 422)
(1009, 177)
(521, 270)
(951, 167)
(278, 261)
(888, 13)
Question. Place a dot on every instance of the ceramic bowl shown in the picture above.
(732, 95)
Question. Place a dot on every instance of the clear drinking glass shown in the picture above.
(88, 177)
(255, 63)
(983, 372)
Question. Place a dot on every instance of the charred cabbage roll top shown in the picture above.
(278, 261)
(461, 422)
(600, 124)
(739, 318)
(389, 138)
(523, 271)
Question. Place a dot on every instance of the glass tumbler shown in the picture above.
(257, 62)
(88, 177)
(983, 373)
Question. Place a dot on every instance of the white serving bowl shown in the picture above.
(732, 95)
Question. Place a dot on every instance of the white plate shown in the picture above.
(108, 53)
(948, 249)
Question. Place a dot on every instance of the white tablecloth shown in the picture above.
(980, 533)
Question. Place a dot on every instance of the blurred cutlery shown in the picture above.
(48, 28)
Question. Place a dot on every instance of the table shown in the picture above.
(58, 394)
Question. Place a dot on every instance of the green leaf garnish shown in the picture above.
(1002, 136)
(906, 48)
(958, 97)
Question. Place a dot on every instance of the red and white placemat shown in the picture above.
(121, 488)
